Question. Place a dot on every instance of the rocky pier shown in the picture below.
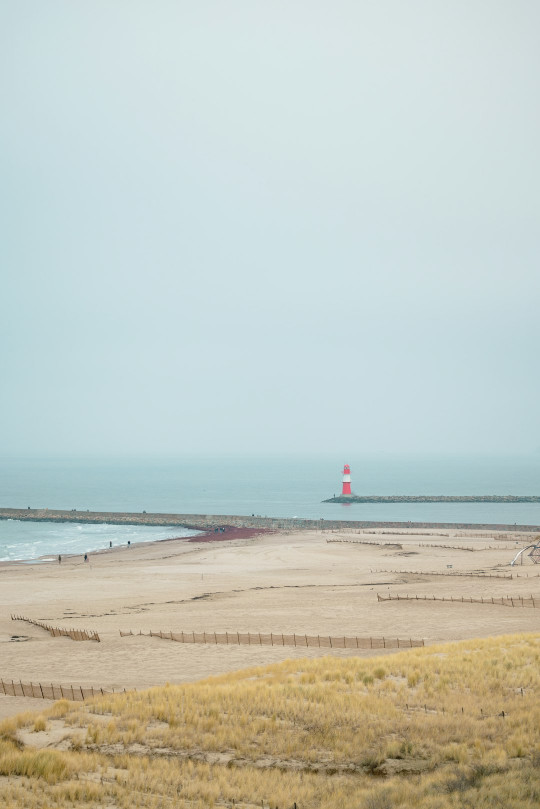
(434, 498)
(209, 522)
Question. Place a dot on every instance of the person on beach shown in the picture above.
(86, 557)
(59, 559)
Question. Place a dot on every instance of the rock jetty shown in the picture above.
(435, 498)
(209, 522)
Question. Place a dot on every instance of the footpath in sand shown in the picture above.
(305, 582)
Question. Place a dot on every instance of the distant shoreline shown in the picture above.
(209, 522)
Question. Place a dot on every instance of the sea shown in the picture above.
(270, 486)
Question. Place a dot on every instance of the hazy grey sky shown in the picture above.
(269, 226)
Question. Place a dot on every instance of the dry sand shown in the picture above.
(299, 582)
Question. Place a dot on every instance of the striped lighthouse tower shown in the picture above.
(346, 490)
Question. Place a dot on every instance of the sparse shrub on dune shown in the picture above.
(48, 765)
(40, 723)
(59, 709)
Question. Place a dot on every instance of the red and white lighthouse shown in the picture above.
(346, 490)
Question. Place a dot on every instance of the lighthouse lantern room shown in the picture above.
(346, 490)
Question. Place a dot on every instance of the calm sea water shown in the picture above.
(273, 487)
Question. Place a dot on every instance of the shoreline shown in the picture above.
(228, 535)
(22, 549)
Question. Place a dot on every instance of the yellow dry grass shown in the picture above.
(450, 726)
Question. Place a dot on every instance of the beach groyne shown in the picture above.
(211, 522)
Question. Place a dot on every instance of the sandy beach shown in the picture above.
(305, 582)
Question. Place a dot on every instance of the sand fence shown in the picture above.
(76, 693)
(56, 631)
(504, 601)
(453, 573)
(421, 544)
(281, 639)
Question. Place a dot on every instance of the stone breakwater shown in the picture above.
(209, 522)
(434, 498)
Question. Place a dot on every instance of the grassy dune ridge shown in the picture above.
(424, 728)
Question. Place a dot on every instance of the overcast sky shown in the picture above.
(269, 226)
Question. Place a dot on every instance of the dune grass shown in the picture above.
(449, 726)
